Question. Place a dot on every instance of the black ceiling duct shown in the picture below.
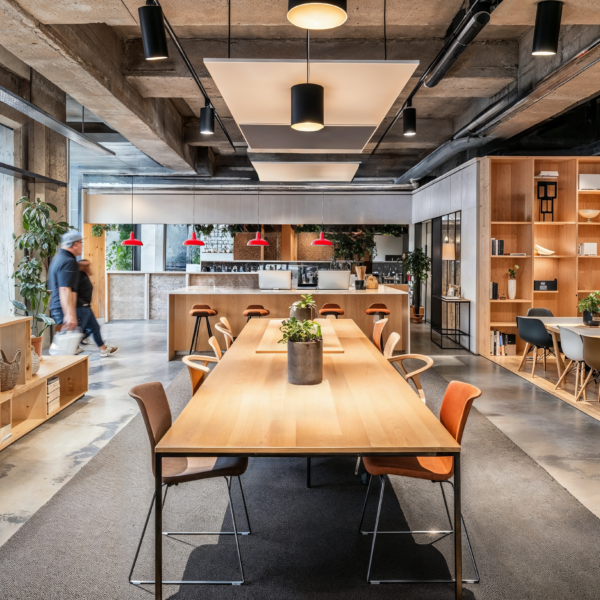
(547, 28)
(466, 35)
(154, 36)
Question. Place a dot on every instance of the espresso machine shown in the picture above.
(308, 277)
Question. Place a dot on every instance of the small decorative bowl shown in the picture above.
(589, 214)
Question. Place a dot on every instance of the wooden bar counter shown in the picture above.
(231, 302)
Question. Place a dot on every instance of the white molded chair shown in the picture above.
(572, 347)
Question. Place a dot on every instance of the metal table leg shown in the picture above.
(308, 472)
(158, 537)
(457, 529)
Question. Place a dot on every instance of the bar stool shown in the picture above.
(256, 310)
(330, 309)
(201, 311)
(378, 311)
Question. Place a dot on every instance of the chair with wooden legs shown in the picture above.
(226, 334)
(199, 312)
(414, 375)
(456, 405)
(379, 312)
(378, 333)
(214, 344)
(225, 322)
(154, 406)
(536, 337)
(572, 346)
(591, 355)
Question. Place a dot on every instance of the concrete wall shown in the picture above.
(7, 217)
(457, 190)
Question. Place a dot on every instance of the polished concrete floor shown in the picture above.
(563, 440)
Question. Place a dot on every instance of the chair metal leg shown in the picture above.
(208, 327)
(365, 504)
(357, 466)
(245, 507)
(308, 472)
(235, 532)
(382, 479)
(194, 335)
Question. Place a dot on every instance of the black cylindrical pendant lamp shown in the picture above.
(207, 120)
(547, 28)
(317, 14)
(409, 120)
(308, 107)
(154, 36)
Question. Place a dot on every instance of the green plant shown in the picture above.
(306, 302)
(418, 264)
(353, 245)
(39, 242)
(120, 258)
(205, 230)
(307, 228)
(300, 331)
(512, 273)
(590, 304)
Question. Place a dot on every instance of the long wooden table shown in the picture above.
(363, 407)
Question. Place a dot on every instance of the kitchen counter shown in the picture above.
(230, 302)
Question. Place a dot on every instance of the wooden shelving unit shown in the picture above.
(510, 211)
(24, 407)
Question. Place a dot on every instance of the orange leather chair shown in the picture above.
(456, 405)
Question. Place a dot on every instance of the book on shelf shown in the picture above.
(53, 395)
(517, 254)
(546, 174)
(500, 247)
(493, 290)
(54, 405)
(53, 384)
(502, 344)
(5, 432)
(493, 246)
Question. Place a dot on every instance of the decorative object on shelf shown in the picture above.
(35, 361)
(503, 297)
(543, 251)
(302, 309)
(418, 264)
(589, 214)
(453, 291)
(589, 182)
(36, 344)
(9, 371)
(305, 351)
(372, 283)
(512, 282)
(546, 193)
(590, 307)
(587, 249)
(545, 286)
(359, 284)
(546, 174)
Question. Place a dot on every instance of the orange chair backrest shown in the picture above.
(154, 406)
(456, 405)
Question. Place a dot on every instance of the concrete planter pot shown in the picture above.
(305, 362)
(302, 314)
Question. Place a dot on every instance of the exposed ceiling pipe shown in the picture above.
(464, 37)
(489, 113)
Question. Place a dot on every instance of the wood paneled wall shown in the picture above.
(94, 249)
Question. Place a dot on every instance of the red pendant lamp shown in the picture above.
(258, 241)
(131, 241)
(321, 241)
(194, 241)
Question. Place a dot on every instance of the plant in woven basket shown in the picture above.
(39, 241)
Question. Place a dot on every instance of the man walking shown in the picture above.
(87, 320)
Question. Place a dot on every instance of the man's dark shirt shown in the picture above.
(63, 272)
(85, 290)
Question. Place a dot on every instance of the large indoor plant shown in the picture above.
(305, 351)
(417, 264)
(302, 309)
(590, 307)
(39, 242)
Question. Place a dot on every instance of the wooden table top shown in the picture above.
(363, 406)
(573, 323)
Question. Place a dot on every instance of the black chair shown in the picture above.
(536, 337)
(539, 312)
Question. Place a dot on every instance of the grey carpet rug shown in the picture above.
(532, 539)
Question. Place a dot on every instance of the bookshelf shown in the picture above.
(510, 211)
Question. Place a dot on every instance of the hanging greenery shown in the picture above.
(120, 258)
(205, 230)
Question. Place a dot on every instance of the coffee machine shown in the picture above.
(308, 277)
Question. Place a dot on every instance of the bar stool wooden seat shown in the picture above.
(256, 310)
(201, 311)
(154, 406)
(331, 309)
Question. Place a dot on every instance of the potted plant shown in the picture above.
(590, 307)
(302, 309)
(39, 242)
(305, 351)
(417, 264)
(512, 282)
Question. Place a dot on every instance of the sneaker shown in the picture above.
(79, 350)
(87, 342)
(108, 350)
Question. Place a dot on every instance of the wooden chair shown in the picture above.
(456, 406)
(154, 406)
(215, 346)
(391, 344)
(414, 375)
(378, 333)
(225, 322)
(197, 372)
(226, 334)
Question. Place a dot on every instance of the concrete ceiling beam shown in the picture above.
(85, 61)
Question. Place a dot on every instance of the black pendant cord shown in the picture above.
(307, 55)
(228, 28)
(384, 30)
(323, 211)
(132, 204)
(193, 73)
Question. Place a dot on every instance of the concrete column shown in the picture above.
(7, 215)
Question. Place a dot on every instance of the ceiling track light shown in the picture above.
(466, 35)
(409, 119)
(207, 119)
(547, 28)
(312, 14)
(154, 37)
(308, 101)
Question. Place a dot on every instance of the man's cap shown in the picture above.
(69, 238)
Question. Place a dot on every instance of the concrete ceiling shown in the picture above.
(93, 51)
